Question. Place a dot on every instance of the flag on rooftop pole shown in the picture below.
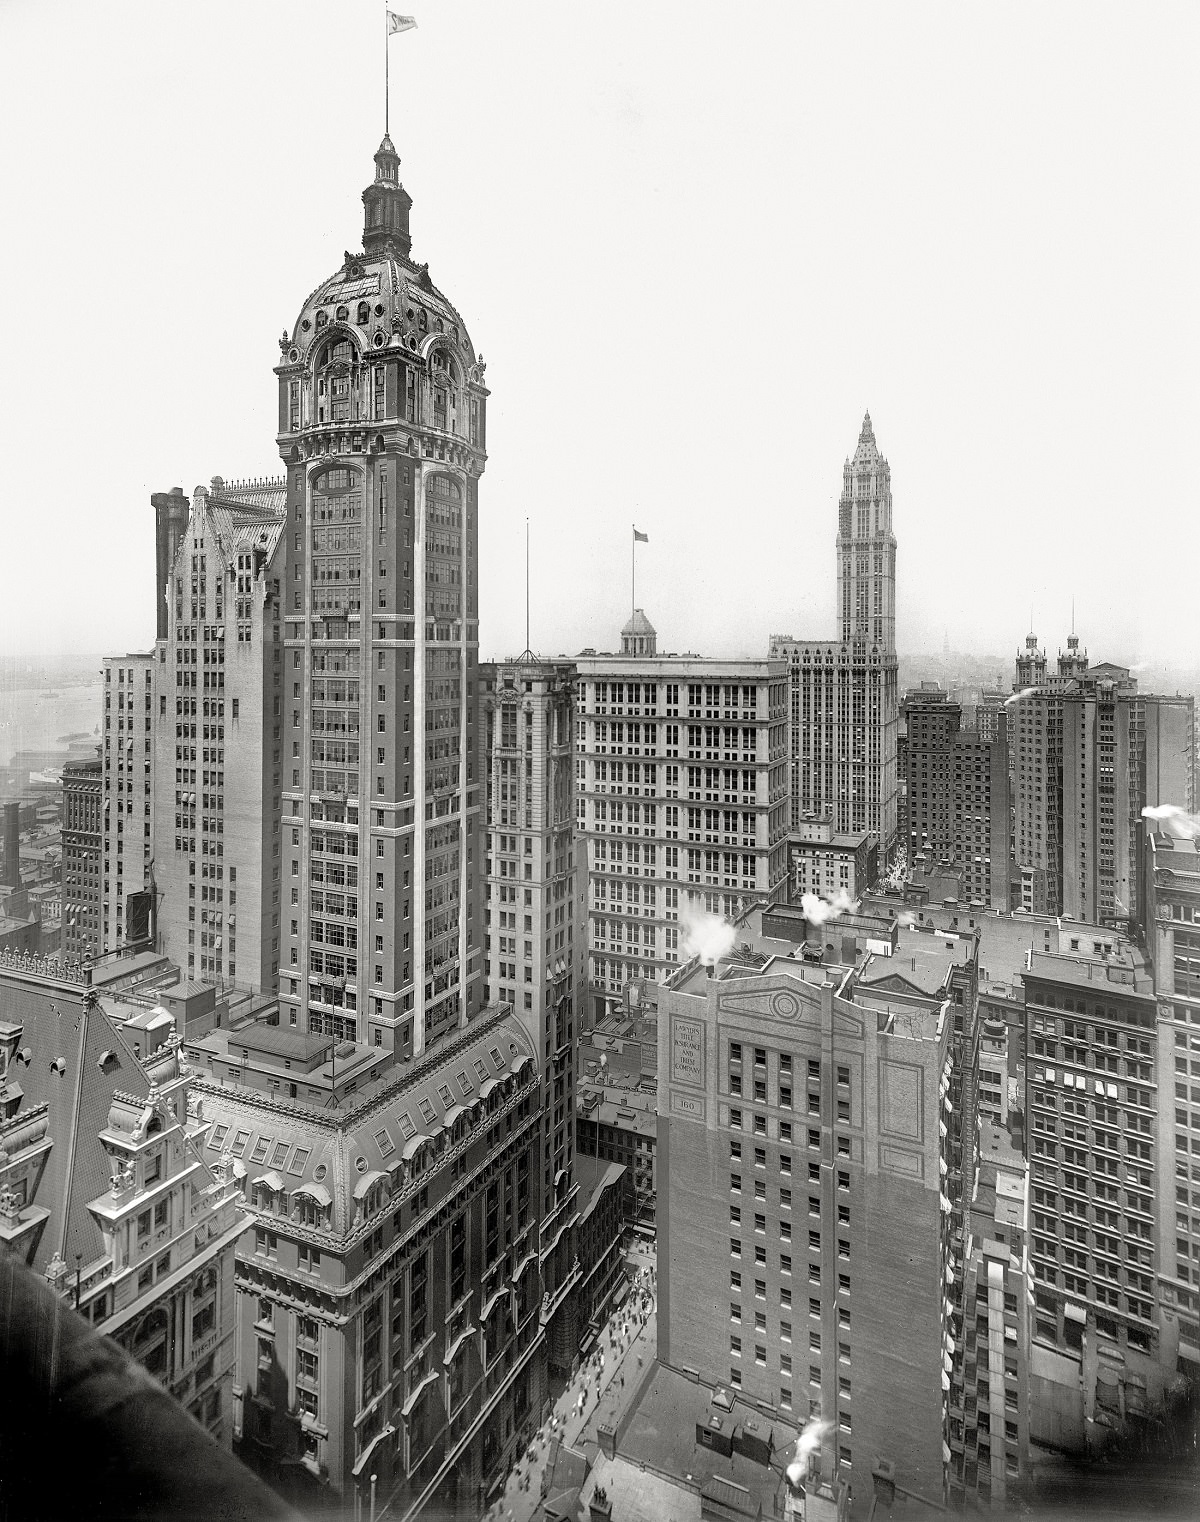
(400, 23)
(640, 538)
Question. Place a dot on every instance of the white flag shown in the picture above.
(400, 23)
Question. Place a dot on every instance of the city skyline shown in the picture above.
(664, 165)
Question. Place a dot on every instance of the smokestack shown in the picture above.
(12, 846)
(171, 510)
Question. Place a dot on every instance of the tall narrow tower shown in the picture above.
(866, 547)
(382, 433)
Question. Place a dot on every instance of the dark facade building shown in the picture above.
(1093, 1105)
(957, 794)
(82, 843)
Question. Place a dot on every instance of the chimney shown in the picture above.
(171, 510)
(12, 846)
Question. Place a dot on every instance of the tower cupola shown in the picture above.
(386, 205)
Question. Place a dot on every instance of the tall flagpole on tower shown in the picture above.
(528, 646)
(392, 23)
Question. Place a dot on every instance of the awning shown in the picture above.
(431, 1378)
(271, 1180)
(410, 1147)
(364, 1185)
(467, 1331)
(559, 1176)
(316, 1192)
(489, 1305)
(523, 1265)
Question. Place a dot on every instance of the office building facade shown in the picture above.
(1089, 752)
(956, 790)
(537, 932)
(1172, 930)
(844, 717)
(127, 755)
(681, 786)
(382, 430)
(217, 855)
(803, 1152)
(82, 849)
(388, 1294)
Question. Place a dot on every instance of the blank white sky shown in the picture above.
(693, 241)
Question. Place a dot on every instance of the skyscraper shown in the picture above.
(128, 806)
(682, 798)
(217, 745)
(382, 434)
(1089, 753)
(844, 715)
(83, 816)
(537, 931)
(957, 793)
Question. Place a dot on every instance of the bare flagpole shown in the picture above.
(528, 646)
(387, 32)
(633, 574)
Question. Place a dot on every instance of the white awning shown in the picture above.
(316, 1192)
(452, 1115)
(410, 1147)
(364, 1185)
(271, 1180)
(431, 1378)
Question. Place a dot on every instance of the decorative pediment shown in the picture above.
(774, 998)
(894, 983)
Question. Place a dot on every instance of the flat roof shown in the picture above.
(661, 1434)
(1121, 972)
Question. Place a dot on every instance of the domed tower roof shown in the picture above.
(639, 636)
(383, 298)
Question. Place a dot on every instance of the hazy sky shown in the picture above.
(693, 242)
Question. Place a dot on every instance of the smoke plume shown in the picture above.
(706, 936)
(819, 911)
(1178, 821)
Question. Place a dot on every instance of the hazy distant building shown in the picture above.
(128, 809)
(218, 747)
(844, 720)
(682, 798)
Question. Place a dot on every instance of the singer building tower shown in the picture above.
(844, 718)
(382, 435)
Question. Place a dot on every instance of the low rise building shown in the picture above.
(103, 1187)
(824, 862)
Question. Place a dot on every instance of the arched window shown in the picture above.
(342, 314)
(364, 314)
